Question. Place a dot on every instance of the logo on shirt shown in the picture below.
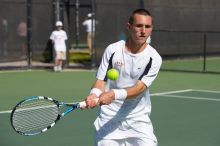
(119, 63)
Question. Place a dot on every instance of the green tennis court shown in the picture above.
(185, 107)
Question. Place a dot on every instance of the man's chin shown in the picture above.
(141, 41)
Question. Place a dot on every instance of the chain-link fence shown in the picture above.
(26, 31)
(185, 33)
(188, 50)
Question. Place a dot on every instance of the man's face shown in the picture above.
(141, 28)
(59, 27)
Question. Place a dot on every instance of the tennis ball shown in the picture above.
(112, 74)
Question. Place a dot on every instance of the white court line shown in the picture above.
(5, 112)
(171, 92)
(167, 94)
(191, 97)
(32, 70)
(209, 91)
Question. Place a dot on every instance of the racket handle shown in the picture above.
(83, 103)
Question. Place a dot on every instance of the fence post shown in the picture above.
(204, 52)
(29, 32)
(93, 51)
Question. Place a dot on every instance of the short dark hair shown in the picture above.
(138, 11)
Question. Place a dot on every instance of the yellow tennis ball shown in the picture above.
(112, 74)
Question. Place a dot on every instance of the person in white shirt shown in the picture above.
(125, 105)
(89, 23)
(58, 38)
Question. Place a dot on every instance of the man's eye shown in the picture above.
(147, 26)
(140, 26)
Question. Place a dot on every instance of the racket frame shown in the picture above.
(70, 108)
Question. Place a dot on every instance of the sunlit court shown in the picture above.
(184, 106)
(77, 72)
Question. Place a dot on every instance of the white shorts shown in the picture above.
(126, 142)
(60, 55)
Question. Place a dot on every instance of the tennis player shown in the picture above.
(123, 118)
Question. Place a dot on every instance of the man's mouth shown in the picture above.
(142, 36)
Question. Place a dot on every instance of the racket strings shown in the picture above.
(36, 120)
(34, 116)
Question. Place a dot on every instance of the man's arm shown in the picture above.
(100, 84)
(123, 94)
(136, 90)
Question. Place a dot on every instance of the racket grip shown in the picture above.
(83, 103)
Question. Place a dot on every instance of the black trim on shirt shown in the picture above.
(146, 69)
(109, 66)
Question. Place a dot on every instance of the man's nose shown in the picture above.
(143, 29)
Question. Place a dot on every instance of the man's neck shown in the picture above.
(135, 48)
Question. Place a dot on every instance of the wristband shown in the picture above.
(120, 94)
(96, 91)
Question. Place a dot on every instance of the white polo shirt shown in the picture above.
(122, 119)
(59, 38)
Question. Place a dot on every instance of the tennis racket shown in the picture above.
(37, 114)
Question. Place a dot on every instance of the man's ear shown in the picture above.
(128, 26)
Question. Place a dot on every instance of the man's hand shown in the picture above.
(106, 98)
(91, 101)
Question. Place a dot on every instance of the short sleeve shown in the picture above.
(106, 63)
(52, 36)
(153, 71)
